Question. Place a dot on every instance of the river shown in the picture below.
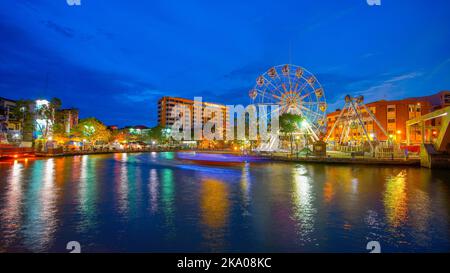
(161, 202)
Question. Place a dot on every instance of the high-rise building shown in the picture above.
(203, 111)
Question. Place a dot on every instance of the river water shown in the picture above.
(161, 202)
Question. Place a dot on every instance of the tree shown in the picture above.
(59, 133)
(118, 135)
(92, 130)
(158, 134)
(289, 123)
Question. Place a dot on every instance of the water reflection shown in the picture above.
(11, 214)
(155, 202)
(121, 175)
(40, 222)
(395, 199)
(167, 196)
(153, 189)
(87, 191)
(214, 212)
(246, 187)
(303, 210)
(328, 192)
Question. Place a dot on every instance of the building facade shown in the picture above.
(9, 121)
(439, 100)
(200, 113)
(10, 125)
(392, 116)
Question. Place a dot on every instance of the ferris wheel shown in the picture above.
(296, 91)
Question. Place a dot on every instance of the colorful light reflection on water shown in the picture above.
(158, 202)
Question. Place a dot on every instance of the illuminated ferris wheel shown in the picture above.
(296, 90)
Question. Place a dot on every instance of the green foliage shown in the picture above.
(289, 123)
(157, 134)
(92, 130)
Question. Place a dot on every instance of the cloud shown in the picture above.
(141, 96)
(385, 86)
(248, 71)
(438, 68)
(403, 77)
(25, 64)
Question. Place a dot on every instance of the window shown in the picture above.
(391, 109)
(391, 120)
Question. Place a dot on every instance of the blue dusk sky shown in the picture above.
(115, 59)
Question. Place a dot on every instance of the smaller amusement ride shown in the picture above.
(353, 130)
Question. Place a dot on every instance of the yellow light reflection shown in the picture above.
(395, 199)
(214, 203)
(328, 192)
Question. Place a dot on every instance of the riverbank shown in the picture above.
(414, 162)
(278, 157)
(75, 153)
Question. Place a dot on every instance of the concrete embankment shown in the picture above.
(335, 160)
(273, 157)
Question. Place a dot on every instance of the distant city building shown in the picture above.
(10, 126)
(68, 118)
(113, 127)
(439, 100)
(205, 112)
